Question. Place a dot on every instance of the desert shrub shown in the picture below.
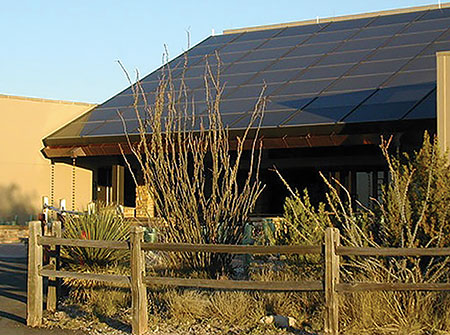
(226, 307)
(101, 223)
(237, 308)
(188, 305)
(108, 301)
(413, 212)
(193, 168)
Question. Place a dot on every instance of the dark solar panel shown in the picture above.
(248, 67)
(283, 42)
(262, 54)
(437, 14)
(311, 116)
(270, 118)
(241, 46)
(362, 44)
(315, 74)
(415, 38)
(204, 50)
(422, 63)
(334, 71)
(348, 24)
(259, 35)
(438, 46)
(380, 31)
(389, 103)
(273, 76)
(302, 30)
(378, 67)
(291, 103)
(429, 25)
(327, 37)
(228, 58)
(396, 18)
(295, 62)
(315, 49)
(304, 87)
(425, 109)
(332, 107)
(394, 52)
(235, 79)
(350, 57)
(73, 129)
(112, 127)
(246, 91)
(359, 82)
(413, 78)
(228, 106)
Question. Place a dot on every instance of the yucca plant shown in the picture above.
(101, 223)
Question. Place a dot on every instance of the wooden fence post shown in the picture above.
(35, 289)
(331, 281)
(139, 322)
(53, 283)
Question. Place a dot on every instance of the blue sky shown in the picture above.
(68, 50)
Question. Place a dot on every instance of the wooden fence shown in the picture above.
(138, 281)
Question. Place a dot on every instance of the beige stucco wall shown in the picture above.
(24, 172)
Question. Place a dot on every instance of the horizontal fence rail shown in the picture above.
(138, 281)
(237, 284)
(363, 287)
(234, 249)
(67, 242)
(352, 251)
(102, 277)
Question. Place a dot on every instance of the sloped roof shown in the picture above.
(367, 68)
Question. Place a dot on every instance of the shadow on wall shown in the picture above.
(15, 205)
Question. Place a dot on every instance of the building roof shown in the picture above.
(60, 102)
(340, 71)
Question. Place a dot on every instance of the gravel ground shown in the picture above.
(73, 317)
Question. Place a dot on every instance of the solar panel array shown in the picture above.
(372, 69)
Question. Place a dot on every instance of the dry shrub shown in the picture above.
(109, 301)
(188, 305)
(193, 168)
(305, 307)
(413, 212)
(236, 308)
(101, 297)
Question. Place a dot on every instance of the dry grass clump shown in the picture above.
(305, 307)
(395, 313)
(103, 299)
(188, 306)
(109, 301)
(237, 308)
(242, 309)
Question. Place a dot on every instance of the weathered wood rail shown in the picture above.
(138, 281)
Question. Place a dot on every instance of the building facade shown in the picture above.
(25, 175)
(333, 87)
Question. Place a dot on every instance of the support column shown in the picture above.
(118, 184)
(443, 99)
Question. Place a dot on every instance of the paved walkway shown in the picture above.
(13, 287)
